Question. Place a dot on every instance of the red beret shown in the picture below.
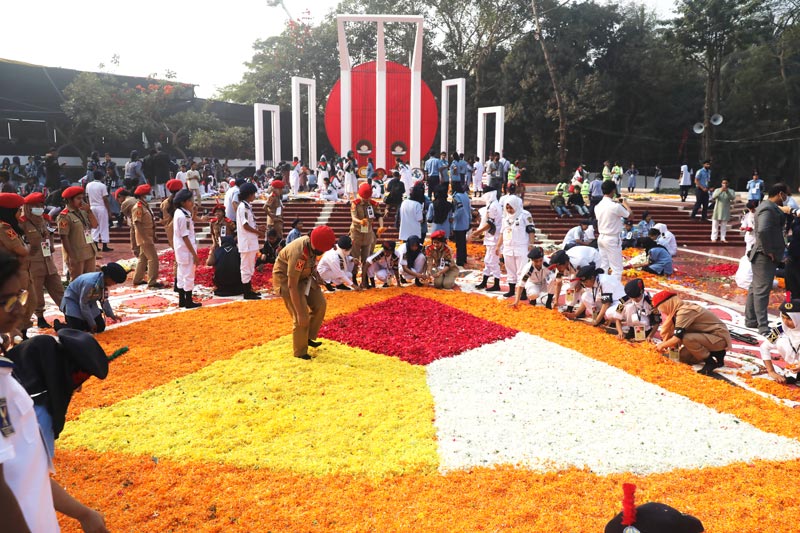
(174, 185)
(142, 189)
(34, 198)
(11, 200)
(71, 192)
(322, 238)
(232, 182)
(218, 206)
(277, 184)
(365, 191)
(438, 235)
(662, 297)
(116, 193)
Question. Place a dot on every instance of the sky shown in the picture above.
(204, 43)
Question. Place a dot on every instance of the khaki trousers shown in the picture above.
(316, 304)
(76, 268)
(698, 346)
(41, 280)
(148, 257)
(446, 280)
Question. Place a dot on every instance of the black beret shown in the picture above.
(792, 306)
(658, 518)
(536, 253)
(634, 288)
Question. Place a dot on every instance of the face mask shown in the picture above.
(37, 211)
(148, 197)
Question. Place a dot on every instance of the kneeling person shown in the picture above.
(441, 267)
(336, 266)
(636, 315)
(384, 264)
(535, 277)
(785, 339)
(412, 260)
(601, 295)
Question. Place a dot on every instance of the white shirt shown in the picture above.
(181, 175)
(686, 175)
(95, 192)
(580, 256)
(605, 287)
(193, 179)
(784, 345)
(529, 274)
(478, 172)
(577, 234)
(515, 236)
(406, 177)
(247, 241)
(183, 226)
(23, 456)
(636, 314)
(494, 213)
(609, 217)
(335, 268)
(231, 195)
(410, 219)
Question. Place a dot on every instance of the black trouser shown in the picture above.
(433, 183)
(593, 201)
(685, 192)
(81, 325)
(460, 238)
(701, 200)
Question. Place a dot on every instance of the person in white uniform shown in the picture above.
(336, 266)
(350, 177)
(610, 215)
(667, 239)
(535, 276)
(247, 236)
(565, 264)
(785, 339)
(411, 213)
(600, 297)
(384, 264)
(231, 199)
(477, 177)
(328, 192)
(185, 245)
(323, 170)
(413, 262)
(581, 235)
(516, 236)
(637, 316)
(491, 221)
(97, 194)
(406, 176)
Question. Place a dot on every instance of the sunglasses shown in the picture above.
(8, 304)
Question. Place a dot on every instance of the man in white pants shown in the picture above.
(609, 225)
(97, 193)
(247, 234)
(491, 221)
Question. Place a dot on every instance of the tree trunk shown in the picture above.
(705, 150)
(562, 118)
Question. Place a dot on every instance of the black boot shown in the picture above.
(372, 283)
(524, 295)
(512, 290)
(57, 324)
(181, 298)
(329, 287)
(719, 356)
(188, 303)
(249, 293)
(42, 323)
(106, 248)
(495, 287)
(549, 303)
(482, 284)
(175, 286)
(343, 287)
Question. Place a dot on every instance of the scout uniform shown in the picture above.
(221, 227)
(126, 208)
(298, 261)
(607, 290)
(75, 227)
(785, 340)
(363, 211)
(14, 244)
(703, 335)
(144, 224)
(335, 267)
(636, 314)
(535, 280)
(382, 266)
(274, 208)
(42, 269)
(441, 260)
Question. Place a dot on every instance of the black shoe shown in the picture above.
(532, 301)
(314, 344)
(188, 302)
(549, 303)
(524, 295)
(418, 283)
(329, 287)
(386, 284)
(57, 324)
(304, 357)
(156, 285)
(482, 284)
(372, 282)
(107, 249)
(136, 283)
(495, 287)
(719, 357)
(42, 323)
(343, 287)
(512, 290)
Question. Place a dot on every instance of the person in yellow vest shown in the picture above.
(363, 212)
(145, 225)
(296, 280)
(42, 269)
(75, 225)
(274, 208)
(606, 170)
(126, 202)
(12, 241)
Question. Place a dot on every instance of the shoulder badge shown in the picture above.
(300, 265)
(11, 234)
(773, 335)
(63, 223)
(620, 307)
(23, 218)
(6, 427)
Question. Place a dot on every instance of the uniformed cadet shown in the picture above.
(42, 269)
(384, 264)
(699, 333)
(126, 202)
(785, 339)
(516, 236)
(442, 268)
(535, 278)
(637, 316)
(274, 208)
(145, 225)
(600, 297)
(12, 241)
(566, 265)
(185, 246)
(167, 208)
(296, 281)
(490, 225)
(75, 225)
(335, 267)
(363, 212)
(247, 235)
(220, 226)
(86, 299)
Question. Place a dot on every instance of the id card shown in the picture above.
(87, 236)
(46, 252)
(370, 212)
(223, 230)
(278, 211)
(674, 355)
(638, 333)
(570, 298)
(364, 229)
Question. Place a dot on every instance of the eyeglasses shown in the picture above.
(8, 304)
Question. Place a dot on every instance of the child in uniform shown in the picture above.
(636, 313)
(535, 276)
(785, 339)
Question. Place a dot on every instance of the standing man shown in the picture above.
(432, 172)
(462, 219)
(231, 199)
(490, 225)
(247, 234)
(755, 188)
(126, 202)
(657, 174)
(595, 194)
(701, 182)
(144, 224)
(723, 198)
(765, 256)
(98, 202)
(75, 224)
(363, 213)
(161, 170)
(193, 181)
(181, 175)
(297, 282)
(52, 169)
(609, 225)
(477, 178)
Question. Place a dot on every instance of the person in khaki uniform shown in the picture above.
(296, 280)
(42, 269)
(220, 226)
(274, 207)
(703, 335)
(145, 225)
(13, 242)
(75, 225)
(363, 212)
(126, 203)
(441, 266)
